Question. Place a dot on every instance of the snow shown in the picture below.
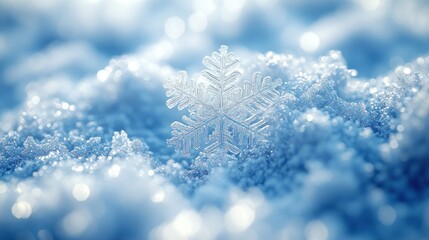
(84, 121)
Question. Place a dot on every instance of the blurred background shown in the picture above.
(42, 39)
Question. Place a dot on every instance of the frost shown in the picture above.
(83, 152)
(345, 151)
(222, 115)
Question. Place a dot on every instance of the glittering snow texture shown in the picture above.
(83, 152)
(347, 158)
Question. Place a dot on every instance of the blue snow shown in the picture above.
(84, 121)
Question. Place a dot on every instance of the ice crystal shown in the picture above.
(223, 116)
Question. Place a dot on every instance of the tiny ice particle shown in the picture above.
(309, 117)
(386, 81)
(81, 192)
(35, 100)
(407, 70)
(150, 173)
(65, 105)
(21, 209)
(334, 54)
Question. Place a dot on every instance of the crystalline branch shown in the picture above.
(223, 114)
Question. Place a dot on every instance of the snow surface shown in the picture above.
(83, 152)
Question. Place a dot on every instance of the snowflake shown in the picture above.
(222, 116)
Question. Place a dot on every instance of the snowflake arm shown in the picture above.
(222, 69)
(253, 100)
(190, 134)
(184, 93)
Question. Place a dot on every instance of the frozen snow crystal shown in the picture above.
(223, 115)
